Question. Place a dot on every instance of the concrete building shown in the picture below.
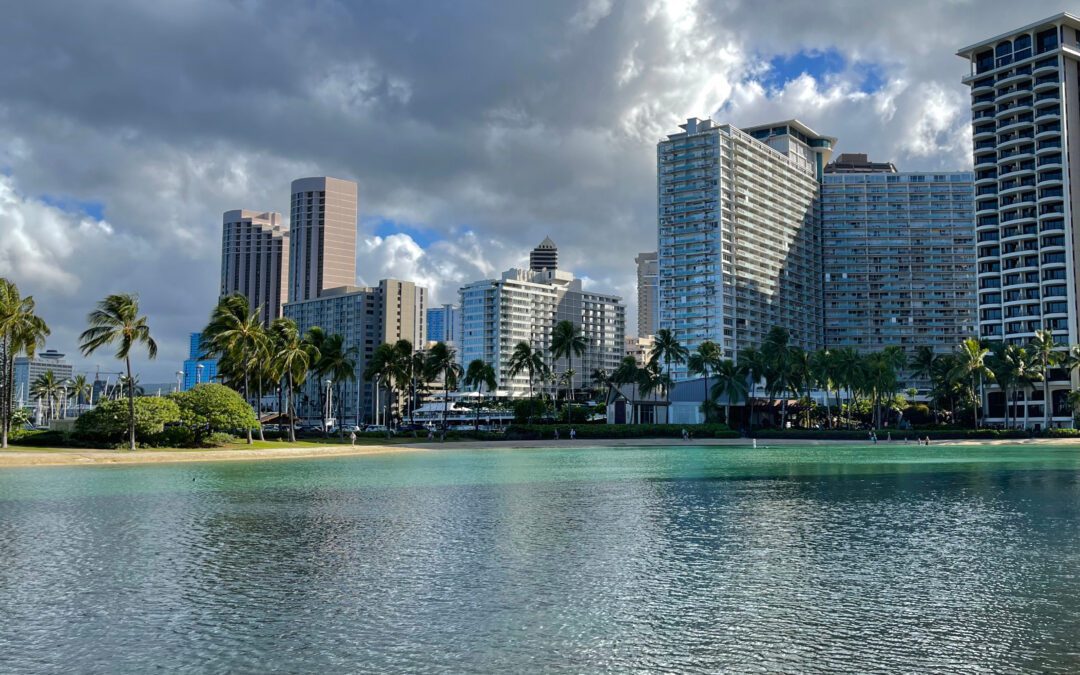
(640, 348)
(524, 306)
(1025, 108)
(29, 369)
(197, 370)
(444, 324)
(322, 236)
(648, 293)
(740, 246)
(366, 317)
(854, 162)
(898, 252)
(544, 257)
(255, 260)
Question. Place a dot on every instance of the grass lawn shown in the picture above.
(240, 445)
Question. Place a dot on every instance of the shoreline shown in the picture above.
(82, 457)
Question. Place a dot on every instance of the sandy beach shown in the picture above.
(21, 457)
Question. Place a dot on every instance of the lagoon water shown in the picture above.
(886, 558)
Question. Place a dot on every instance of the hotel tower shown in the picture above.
(1025, 110)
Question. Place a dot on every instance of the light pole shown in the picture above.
(329, 404)
(198, 373)
(179, 380)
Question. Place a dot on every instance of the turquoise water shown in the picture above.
(884, 558)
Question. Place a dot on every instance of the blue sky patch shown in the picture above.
(94, 209)
(820, 64)
(384, 228)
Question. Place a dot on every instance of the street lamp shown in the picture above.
(329, 402)
(198, 373)
(179, 380)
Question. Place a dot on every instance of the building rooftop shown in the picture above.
(851, 162)
(1063, 17)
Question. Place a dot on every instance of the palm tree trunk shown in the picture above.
(131, 405)
(704, 408)
(1046, 394)
(292, 410)
(975, 400)
(5, 395)
(247, 395)
(258, 406)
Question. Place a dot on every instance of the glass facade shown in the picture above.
(192, 373)
(898, 253)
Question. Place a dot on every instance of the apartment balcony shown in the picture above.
(1011, 93)
(986, 134)
(1048, 114)
(1015, 124)
(1047, 85)
(1012, 108)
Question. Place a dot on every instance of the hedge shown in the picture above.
(533, 432)
(883, 434)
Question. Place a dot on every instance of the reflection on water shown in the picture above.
(573, 560)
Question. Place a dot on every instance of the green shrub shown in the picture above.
(528, 409)
(108, 422)
(210, 408)
(171, 437)
(1062, 433)
(585, 431)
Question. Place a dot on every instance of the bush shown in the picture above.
(528, 409)
(108, 422)
(547, 431)
(210, 408)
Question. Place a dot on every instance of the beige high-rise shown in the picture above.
(648, 293)
(322, 242)
(255, 260)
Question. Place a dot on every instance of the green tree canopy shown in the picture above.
(108, 421)
(210, 408)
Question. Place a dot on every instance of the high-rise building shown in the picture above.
(365, 317)
(648, 294)
(1025, 101)
(854, 162)
(444, 324)
(544, 257)
(740, 246)
(524, 306)
(322, 236)
(899, 259)
(29, 369)
(255, 260)
(198, 370)
(640, 348)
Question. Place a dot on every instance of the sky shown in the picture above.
(474, 129)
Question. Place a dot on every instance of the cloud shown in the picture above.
(484, 126)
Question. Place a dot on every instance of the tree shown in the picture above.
(47, 390)
(21, 332)
(315, 338)
(705, 359)
(849, 369)
(970, 366)
(79, 389)
(442, 362)
(110, 420)
(779, 374)
(211, 408)
(408, 370)
(628, 372)
(730, 384)
(822, 374)
(650, 380)
(753, 360)
(525, 359)
(338, 363)
(667, 348)
(1045, 350)
(567, 341)
(235, 336)
(380, 369)
(479, 374)
(294, 357)
(116, 320)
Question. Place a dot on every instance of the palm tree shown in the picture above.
(753, 360)
(566, 341)
(705, 359)
(650, 380)
(46, 389)
(338, 363)
(730, 384)
(79, 388)
(822, 374)
(779, 373)
(21, 332)
(235, 336)
(667, 348)
(1004, 363)
(971, 366)
(480, 374)
(442, 362)
(627, 373)
(294, 357)
(849, 368)
(116, 320)
(380, 369)
(1045, 350)
(601, 381)
(525, 359)
(315, 337)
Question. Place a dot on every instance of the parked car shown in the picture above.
(412, 427)
(377, 427)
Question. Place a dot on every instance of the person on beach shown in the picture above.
(352, 437)
(684, 435)
(556, 433)
(573, 433)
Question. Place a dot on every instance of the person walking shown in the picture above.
(573, 433)
(352, 437)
